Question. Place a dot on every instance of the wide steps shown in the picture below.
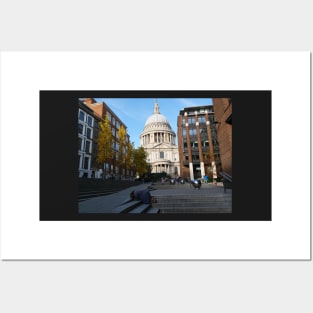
(201, 203)
(194, 210)
(153, 211)
(125, 208)
(135, 207)
(140, 209)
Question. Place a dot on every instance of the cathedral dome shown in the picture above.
(158, 140)
(157, 120)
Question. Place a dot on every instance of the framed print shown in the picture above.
(172, 120)
(187, 172)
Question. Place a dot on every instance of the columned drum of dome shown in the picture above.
(158, 140)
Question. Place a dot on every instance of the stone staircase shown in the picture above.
(135, 207)
(183, 199)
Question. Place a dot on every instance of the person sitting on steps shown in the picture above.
(142, 195)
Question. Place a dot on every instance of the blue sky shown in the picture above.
(135, 111)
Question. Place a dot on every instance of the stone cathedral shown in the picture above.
(158, 140)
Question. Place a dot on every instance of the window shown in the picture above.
(191, 120)
(203, 130)
(86, 163)
(195, 157)
(194, 144)
(88, 145)
(192, 132)
(89, 121)
(88, 133)
(117, 125)
(161, 155)
(81, 116)
(79, 143)
(201, 119)
(95, 133)
(205, 143)
(79, 160)
(80, 128)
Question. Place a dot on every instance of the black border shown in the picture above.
(252, 126)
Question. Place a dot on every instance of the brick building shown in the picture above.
(98, 111)
(223, 121)
(197, 142)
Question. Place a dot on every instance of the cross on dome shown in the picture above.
(156, 107)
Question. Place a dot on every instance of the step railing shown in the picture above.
(227, 181)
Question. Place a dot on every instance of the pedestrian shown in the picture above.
(142, 195)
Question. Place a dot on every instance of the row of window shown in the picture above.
(85, 131)
(89, 120)
(84, 145)
(161, 156)
(113, 121)
(201, 120)
(85, 118)
(195, 144)
(196, 157)
(88, 132)
(84, 162)
(193, 131)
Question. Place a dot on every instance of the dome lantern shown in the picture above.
(156, 107)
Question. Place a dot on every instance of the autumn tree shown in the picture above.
(122, 146)
(105, 141)
(130, 147)
(139, 159)
(210, 161)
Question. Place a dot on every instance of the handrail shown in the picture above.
(226, 176)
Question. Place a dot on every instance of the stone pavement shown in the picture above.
(171, 199)
(105, 204)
